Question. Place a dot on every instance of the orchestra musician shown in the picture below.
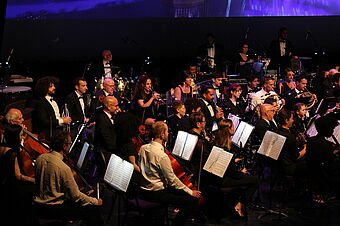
(290, 159)
(266, 121)
(234, 176)
(267, 90)
(288, 83)
(174, 120)
(98, 97)
(159, 183)
(243, 62)
(16, 188)
(301, 87)
(46, 116)
(105, 136)
(77, 103)
(184, 91)
(211, 112)
(58, 195)
(146, 101)
(323, 166)
(233, 103)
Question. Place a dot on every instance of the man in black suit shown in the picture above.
(77, 103)
(210, 54)
(98, 97)
(46, 116)
(105, 137)
(101, 68)
(265, 123)
(281, 51)
(211, 112)
(290, 96)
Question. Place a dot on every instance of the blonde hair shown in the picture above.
(158, 128)
(222, 137)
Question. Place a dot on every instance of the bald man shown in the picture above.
(105, 136)
(266, 121)
(14, 117)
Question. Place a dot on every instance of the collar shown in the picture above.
(78, 95)
(108, 115)
(206, 102)
(297, 91)
(105, 93)
(157, 145)
(49, 98)
(57, 154)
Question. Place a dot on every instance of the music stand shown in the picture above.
(242, 134)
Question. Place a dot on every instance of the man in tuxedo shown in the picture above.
(77, 103)
(102, 68)
(46, 116)
(211, 55)
(290, 96)
(211, 112)
(105, 137)
(266, 122)
(108, 90)
(281, 51)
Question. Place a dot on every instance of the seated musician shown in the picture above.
(46, 115)
(98, 97)
(217, 85)
(159, 183)
(290, 158)
(145, 101)
(16, 188)
(184, 90)
(288, 84)
(251, 88)
(259, 97)
(323, 166)
(234, 176)
(266, 122)
(191, 105)
(105, 136)
(77, 104)
(174, 121)
(234, 104)
(301, 87)
(211, 112)
(300, 118)
(58, 195)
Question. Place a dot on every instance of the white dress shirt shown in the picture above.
(55, 109)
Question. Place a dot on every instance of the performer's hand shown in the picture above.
(100, 202)
(196, 194)
(238, 159)
(67, 120)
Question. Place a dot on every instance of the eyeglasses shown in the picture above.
(238, 90)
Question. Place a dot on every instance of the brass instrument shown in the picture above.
(277, 99)
(309, 95)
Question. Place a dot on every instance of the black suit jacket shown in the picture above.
(74, 107)
(275, 55)
(105, 136)
(43, 118)
(208, 118)
(97, 100)
(261, 127)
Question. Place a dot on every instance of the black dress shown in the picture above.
(147, 112)
(229, 107)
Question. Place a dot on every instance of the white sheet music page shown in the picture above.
(218, 161)
(185, 145)
(180, 142)
(189, 146)
(235, 119)
(242, 134)
(118, 173)
(82, 155)
(272, 145)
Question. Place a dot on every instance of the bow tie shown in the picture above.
(52, 99)
(81, 97)
(210, 46)
(282, 40)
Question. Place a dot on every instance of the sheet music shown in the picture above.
(336, 134)
(185, 145)
(82, 155)
(311, 132)
(118, 173)
(214, 127)
(272, 145)
(242, 134)
(235, 119)
(218, 161)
